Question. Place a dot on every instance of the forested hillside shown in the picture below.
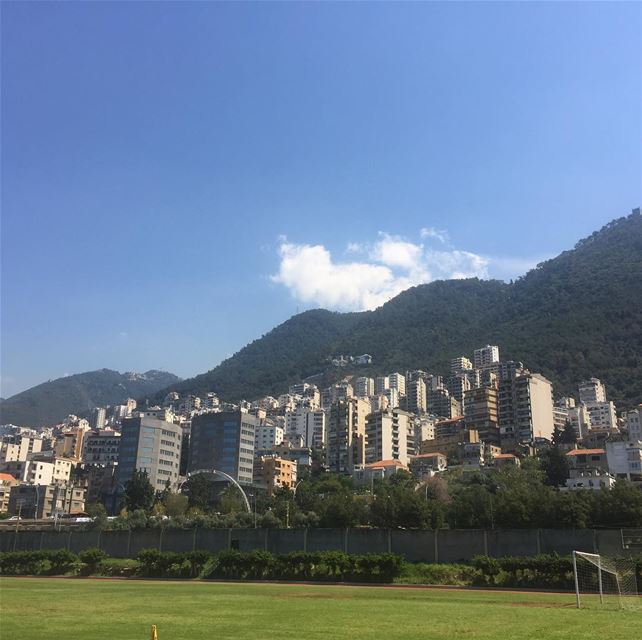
(574, 316)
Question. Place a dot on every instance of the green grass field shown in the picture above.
(74, 609)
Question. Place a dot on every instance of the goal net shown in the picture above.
(605, 581)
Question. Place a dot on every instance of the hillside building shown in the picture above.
(387, 435)
(224, 441)
(346, 440)
(149, 442)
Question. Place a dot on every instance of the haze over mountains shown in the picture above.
(575, 316)
(53, 401)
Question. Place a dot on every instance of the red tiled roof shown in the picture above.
(7, 477)
(585, 452)
(384, 463)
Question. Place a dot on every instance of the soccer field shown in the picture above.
(36, 608)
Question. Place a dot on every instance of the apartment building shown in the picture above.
(309, 424)
(525, 409)
(427, 464)
(441, 403)
(45, 501)
(346, 440)
(20, 448)
(482, 414)
(150, 442)
(101, 446)
(387, 435)
(224, 441)
(592, 391)
(486, 356)
(6, 482)
(416, 396)
(634, 424)
(625, 459)
(381, 384)
(461, 364)
(397, 381)
(272, 473)
(602, 416)
(364, 387)
(268, 434)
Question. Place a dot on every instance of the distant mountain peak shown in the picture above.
(52, 401)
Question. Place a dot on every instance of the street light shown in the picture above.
(287, 504)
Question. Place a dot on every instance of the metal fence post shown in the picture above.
(436, 546)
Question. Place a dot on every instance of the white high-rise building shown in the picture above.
(625, 459)
(634, 424)
(458, 365)
(308, 424)
(486, 356)
(398, 381)
(580, 419)
(602, 415)
(267, 436)
(11, 452)
(387, 435)
(592, 391)
(525, 406)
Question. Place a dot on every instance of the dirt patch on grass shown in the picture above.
(543, 605)
(320, 596)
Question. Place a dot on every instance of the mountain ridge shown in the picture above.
(573, 316)
(52, 401)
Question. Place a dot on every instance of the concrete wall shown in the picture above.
(444, 545)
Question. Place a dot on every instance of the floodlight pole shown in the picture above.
(577, 586)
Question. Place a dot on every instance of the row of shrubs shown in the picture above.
(532, 572)
(334, 566)
(538, 572)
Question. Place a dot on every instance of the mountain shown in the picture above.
(52, 401)
(575, 316)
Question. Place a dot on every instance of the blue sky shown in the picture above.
(178, 178)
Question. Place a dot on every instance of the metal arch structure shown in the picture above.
(222, 474)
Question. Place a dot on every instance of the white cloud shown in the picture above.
(379, 270)
(438, 234)
(393, 265)
(456, 265)
(354, 247)
(395, 252)
(310, 274)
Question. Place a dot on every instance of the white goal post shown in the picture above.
(605, 581)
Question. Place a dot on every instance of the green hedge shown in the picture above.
(534, 572)
(537, 572)
(327, 566)
(47, 562)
